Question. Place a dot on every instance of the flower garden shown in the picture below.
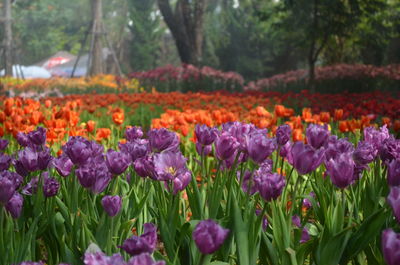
(140, 175)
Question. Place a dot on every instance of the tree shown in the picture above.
(146, 34)
(41, 28)
(186, 24)
(321, 21)
(8, 38)
(96, 48)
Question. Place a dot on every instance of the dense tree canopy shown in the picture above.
(253, 37)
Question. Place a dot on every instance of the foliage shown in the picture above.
(146, 34)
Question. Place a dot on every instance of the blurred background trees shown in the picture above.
(257, 38)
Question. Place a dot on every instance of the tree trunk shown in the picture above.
(311, 74)
(186, 24)
(96, 65)
(8, 38)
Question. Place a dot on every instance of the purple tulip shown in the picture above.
(111, 204)
(285, 149)
(203, 150)
(94, 176)
(3, 144)
(20, 168)
(144, 167)
(365, 153)
(7, 189)
(305, 158)
(136, 149)
(264, 221)
(78, 150)
(225, 146)
(63, 165)
(269, 185)
(209, 236)
(31, 187)
(29, 159)
(241, 132)
(86, 175)
(169, 165)
(15, 178)
(103, 178)
(50, 187)
(335, 147)
(23, 139)
(341, 170)
(228, 163)
(97, 150)
(181, 181)
(163, 140)
(133, 133)
(144, 259)
(307, 202)
(317, 135)
(14, 205)
(44, 158)
(391, 247)
(296, 220)
(266, 166)
(38, 137)
(283, 134)
(393, 173)
(259, 147)
(99, 258)
(394, 201)
(248, 185)
(5, 162)
(376, 137)
(117, 162)
(305, 236)
(390, 150)
(205, 135)
(146, 243)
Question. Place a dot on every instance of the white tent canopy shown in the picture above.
(28, 72)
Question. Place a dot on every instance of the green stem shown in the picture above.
(2, 232)
(203, 260)
(294, 192)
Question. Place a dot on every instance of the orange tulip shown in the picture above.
(118, 118)
(47, 103)
(343, 127)
(396, 125)
(338, 114)
(297, 135)
(102, 133)
(386, 120)
(90, 125)
(280, 111)
(325, 117)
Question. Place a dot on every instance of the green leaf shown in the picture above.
(270, 250)
(364, 235)
(330, 248)
(241, 231)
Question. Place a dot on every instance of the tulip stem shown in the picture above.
(1, 228)
(287, 184)
(203, 260)
(294, 190)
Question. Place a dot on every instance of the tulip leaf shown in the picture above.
(241, 231)
(330, 248)
(219, 263)
(362, 237)
(270, 250)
